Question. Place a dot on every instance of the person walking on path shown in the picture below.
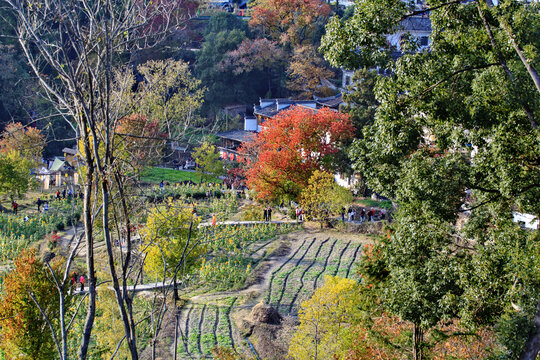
(265, 214)
(72, 281)
(81, 280)
(57, 194)
(64, 194)
(15, 206)
(269, 214)
(343, 214)
(362, 215)
(161, 185)
(45, 207)
(39, 202)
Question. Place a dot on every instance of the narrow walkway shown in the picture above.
(249, 223)
(137, 288)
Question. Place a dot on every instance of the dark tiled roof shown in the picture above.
(416, 23)
(237, 135)
(268, 111)
(271, 109)
(331, 101)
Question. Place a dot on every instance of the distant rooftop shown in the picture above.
(271, 107)
(237, 135)
(416, 23)
(331, 101)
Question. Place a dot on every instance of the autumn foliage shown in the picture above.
(291, 147)
(25, 140)
(291, 21)
(139, 139)
(24, 334)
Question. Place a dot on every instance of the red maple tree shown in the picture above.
(291, 147)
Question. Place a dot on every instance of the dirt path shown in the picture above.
(290, 243)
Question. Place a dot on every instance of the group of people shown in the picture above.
(363, 215)
(299, 212)
(67, 193)
(75, 278)
(45, 204)
(267, 214)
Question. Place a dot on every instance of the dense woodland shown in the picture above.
(445, 138)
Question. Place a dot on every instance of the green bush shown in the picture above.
(252, 213)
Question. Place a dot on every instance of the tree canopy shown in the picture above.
(454, 141)
(291, 146)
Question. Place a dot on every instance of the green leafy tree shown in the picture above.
(170, 235)
(15, 177)
(323, 198)
(456, 131)
(225, 33)
(209, 165)
(360, 101)
(168, 93)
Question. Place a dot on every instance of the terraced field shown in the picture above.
(204, 327)
(289, 279)
(297, 278)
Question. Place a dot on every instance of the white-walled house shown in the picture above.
(527, 221)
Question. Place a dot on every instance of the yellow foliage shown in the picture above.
(166, 235)
(325, 331)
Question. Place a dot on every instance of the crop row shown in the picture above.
(298, 277)
(204, 327)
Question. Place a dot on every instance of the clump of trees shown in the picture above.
(21, 148)
(454, 141)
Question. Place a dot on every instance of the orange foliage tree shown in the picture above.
(293, 21)
(27, 141)
(139, 140)
(291, 147)
(307, 73)
(24, 333)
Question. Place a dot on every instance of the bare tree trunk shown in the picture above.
(532, 346)
(89, 238)
(418, 338)
(530, 69)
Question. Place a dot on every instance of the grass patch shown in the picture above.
(384, 204)
(154, 175)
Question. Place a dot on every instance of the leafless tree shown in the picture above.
(79, 43)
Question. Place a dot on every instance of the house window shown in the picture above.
(347, 80)
(423, 41)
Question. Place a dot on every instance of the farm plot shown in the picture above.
(203, 327)
(298, 277)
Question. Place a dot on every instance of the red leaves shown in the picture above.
(291, 146)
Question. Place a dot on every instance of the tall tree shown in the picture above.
(258, 56)
(323, 198)
(80, 43)
(29, 308)
(456, 131)
(27, 141)
(169, 93)
(209, 165)
(291, 146)
(308, 74)
(289, 21)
